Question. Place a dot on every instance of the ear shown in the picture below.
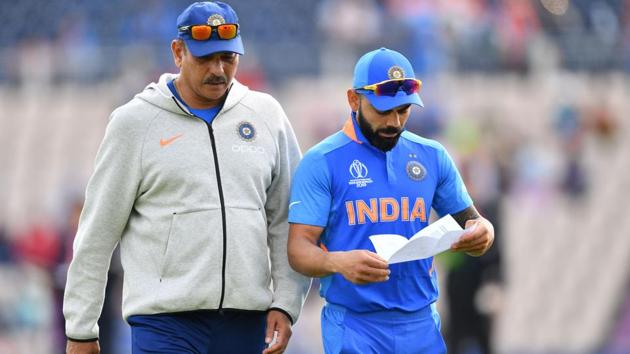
(177, 48)
(353, 100)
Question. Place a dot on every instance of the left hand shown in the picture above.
(277, 321)
(478, 239)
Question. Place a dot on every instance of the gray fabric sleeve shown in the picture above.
(109, 198)
(290, 288)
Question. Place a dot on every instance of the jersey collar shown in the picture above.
(351, 130)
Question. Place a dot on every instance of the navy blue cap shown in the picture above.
(381, 65)
(209, 13)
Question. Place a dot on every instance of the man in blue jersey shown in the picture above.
(373, 177)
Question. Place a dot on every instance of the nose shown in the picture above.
(393, 119)
(215, 65)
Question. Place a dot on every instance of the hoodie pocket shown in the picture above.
(192, 254)
(248, 269)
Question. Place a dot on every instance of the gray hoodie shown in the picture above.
(200, 211)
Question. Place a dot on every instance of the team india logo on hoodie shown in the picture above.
(246, 131)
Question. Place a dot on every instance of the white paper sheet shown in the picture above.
(433, 239)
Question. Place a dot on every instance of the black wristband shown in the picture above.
(82, 340)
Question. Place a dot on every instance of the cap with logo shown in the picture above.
(213, 14)
(380, 65)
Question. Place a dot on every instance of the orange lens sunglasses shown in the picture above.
(204, 32)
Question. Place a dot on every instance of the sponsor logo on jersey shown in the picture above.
(359, 173)
(416, 171)
(386, 209)
(252, 149)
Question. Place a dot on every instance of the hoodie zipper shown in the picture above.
(221, 201)
(223, 221)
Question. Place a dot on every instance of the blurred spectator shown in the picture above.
(519, 23)
(619, 341)
(349, 27)
(574, 181)
(38, 246)
(35, 66)
(80, 51)
(534, 170)
(423, 35)
(26, 310)
(570, 129)
(91, 40)
(251, 74)
(471, 32)
(603, 123)
(5, 247)
(472, 282)
(66, 238)
(568, 124)
(427, 122)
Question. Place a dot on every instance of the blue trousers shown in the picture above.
(198, 332)
(381, 332)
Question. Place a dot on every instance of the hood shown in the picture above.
(158, 94)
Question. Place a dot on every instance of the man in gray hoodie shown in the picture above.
(192, 180)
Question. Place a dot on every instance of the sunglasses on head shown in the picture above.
(391, 87)
(204, 32)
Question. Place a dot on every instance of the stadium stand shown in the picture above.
(545, 96)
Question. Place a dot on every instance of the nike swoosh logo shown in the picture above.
(165, 142)
(294, 203)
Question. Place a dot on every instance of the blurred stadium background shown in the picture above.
(533, 104)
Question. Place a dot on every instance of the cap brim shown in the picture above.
(385, 103)
(203, 48)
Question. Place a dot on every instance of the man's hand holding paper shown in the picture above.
(433, 239)
(478, 237)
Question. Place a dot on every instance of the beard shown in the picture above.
(381, 143)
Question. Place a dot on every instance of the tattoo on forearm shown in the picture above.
(465, 215)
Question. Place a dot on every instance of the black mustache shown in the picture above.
(389, 130)
(215, 80)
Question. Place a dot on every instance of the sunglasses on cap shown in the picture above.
(204, 32)
(391, 87)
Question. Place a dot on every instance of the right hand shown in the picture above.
(361, 266)
(73, 347)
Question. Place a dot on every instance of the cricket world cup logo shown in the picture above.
(358, 169)
(359, 172)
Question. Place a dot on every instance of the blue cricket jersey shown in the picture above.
(207, 114)
(354, 190)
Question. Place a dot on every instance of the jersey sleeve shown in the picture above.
(451, 195)
(311, 192)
